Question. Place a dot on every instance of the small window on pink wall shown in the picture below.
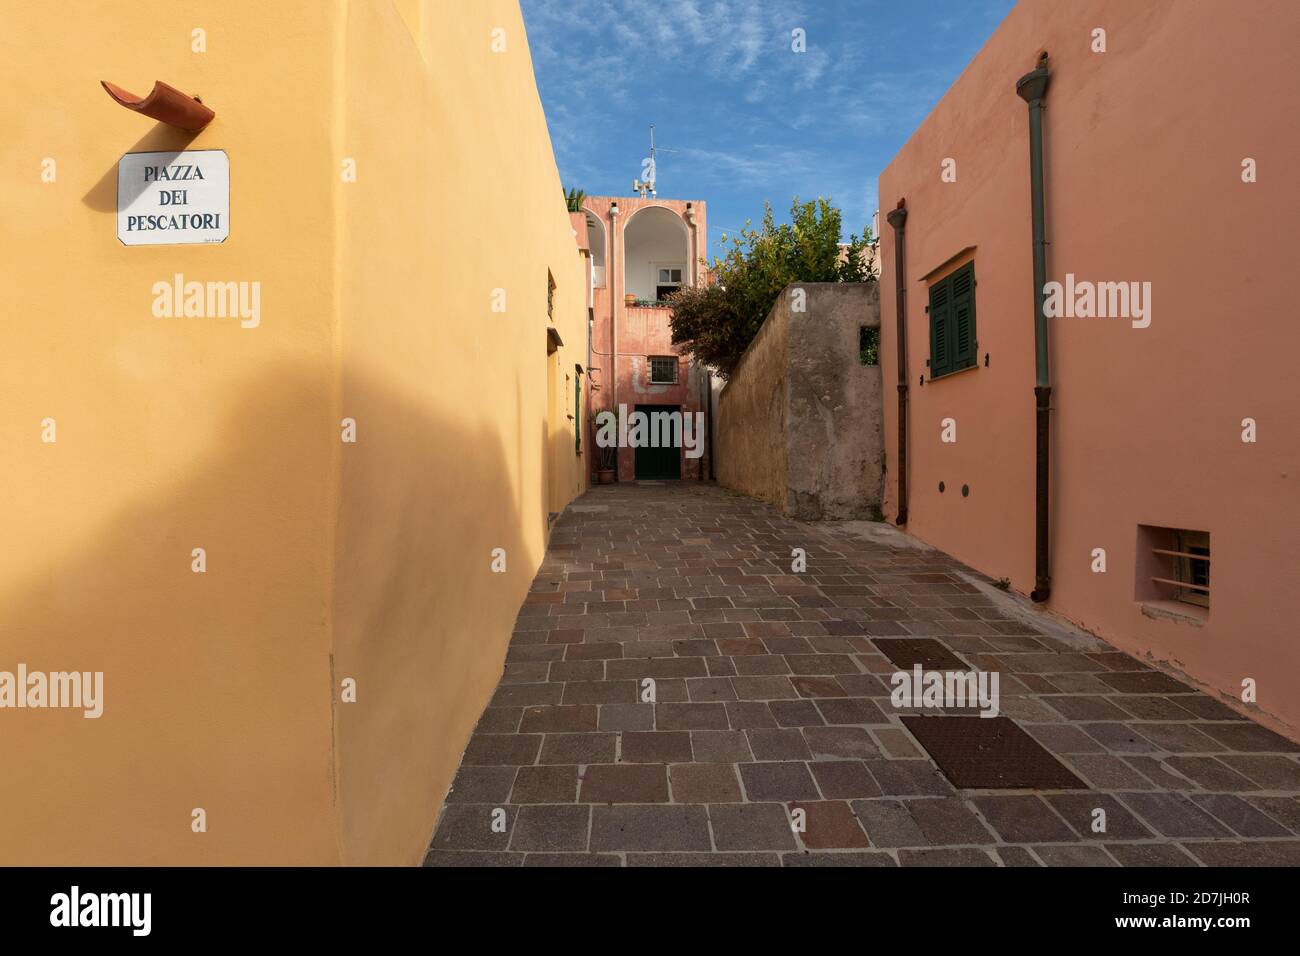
(1173, 569)
(663, 370)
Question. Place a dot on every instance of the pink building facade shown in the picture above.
(641, 251)
(1173, 452)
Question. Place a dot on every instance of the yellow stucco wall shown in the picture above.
(324, 560)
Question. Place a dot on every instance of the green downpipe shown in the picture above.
(1031, 88)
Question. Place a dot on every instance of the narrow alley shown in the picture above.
(772, 738)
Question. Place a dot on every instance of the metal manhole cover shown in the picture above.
(990, 753)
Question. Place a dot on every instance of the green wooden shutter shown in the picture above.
(952, 322)
(964, 345)
(940, 328)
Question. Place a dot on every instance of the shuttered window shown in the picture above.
(953, 345)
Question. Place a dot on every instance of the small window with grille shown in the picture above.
(1174, 567)
(663, 370)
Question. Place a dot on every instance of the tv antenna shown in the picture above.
(646, 187)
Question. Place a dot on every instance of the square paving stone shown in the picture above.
(1144, 682)
(1210, 773)
(947, 856)
(464, 858)
(829, 824)
(720, 746)
(704, 783)
(1250, 738)
(808, 686)
(795, 713)
(840, 743)
(750, 715)
(1016, 856)
(1173, 815)
(763, 688)
(946, 821)
(556, 784)
(500, 750)
(778, 745)
(1149, 854)
(750, 826)
(550, 829)
(850, 711)
(550, 719)
(1022, 819)
(578, 748)
(572, 860)
(1078, 809)
(662, 746)
(481, 785)
(844, 779)
(1074, 855)
(1238, 815)
(1258, 853)
(1286, 810)
(990, 753)
(691, 717)
(469, 826)
(624, 783)
(651, 828)
(1270, 772)
(909, 778)
(614, 717)
(888, 823)
(778, 781)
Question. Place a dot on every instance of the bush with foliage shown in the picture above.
(716, 323)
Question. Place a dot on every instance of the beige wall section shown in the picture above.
(325, 560)
(173, 434)
(460, 452)
(1143, 158)
(798, 423)
(753, 411)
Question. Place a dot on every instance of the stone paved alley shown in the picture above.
(773, 695)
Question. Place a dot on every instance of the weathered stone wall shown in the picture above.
(749, 435)
(799, 424)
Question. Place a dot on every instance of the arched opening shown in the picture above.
(596, 243)
(656, 254)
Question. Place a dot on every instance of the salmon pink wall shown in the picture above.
(642, 331)
(1144, 145)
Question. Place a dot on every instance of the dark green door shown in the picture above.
(658, 463)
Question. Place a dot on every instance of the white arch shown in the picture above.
(643, 256)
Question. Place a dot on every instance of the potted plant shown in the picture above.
(606, 457)
(606, 460)
(629, 300)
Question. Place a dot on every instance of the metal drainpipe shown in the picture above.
(1031, 88)
(898, 219)
(613, 320)
(709, 420)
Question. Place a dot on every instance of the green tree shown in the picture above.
(573, 199)
(717, 323)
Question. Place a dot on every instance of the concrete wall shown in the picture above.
(1144, 146)
(324, 560)
(799, 420)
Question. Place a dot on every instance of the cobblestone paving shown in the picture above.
(772, 696)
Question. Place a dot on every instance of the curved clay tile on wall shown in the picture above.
(165, 104)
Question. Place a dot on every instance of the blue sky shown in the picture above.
(742, 117)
